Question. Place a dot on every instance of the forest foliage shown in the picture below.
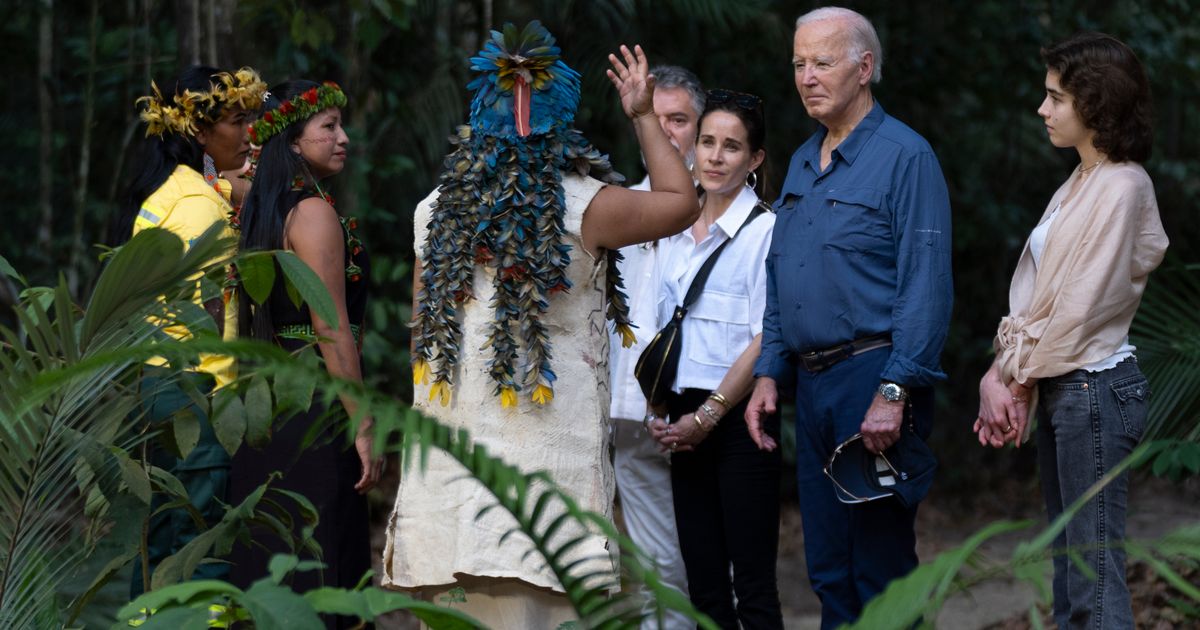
(965, 75)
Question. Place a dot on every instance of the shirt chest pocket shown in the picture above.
(858, 221)
(719, 328)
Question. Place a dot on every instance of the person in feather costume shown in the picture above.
(509, 319)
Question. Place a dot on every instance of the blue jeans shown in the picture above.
(852, 551)
(1089, 422)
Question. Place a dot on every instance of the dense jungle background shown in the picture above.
(966, 75)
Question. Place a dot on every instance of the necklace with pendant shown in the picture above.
(1085, 171)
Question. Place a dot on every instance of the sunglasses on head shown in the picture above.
(741, 99)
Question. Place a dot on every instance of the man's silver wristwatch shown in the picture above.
(892, 392)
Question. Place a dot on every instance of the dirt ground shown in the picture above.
(1156, 507)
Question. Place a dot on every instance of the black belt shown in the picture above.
(818, 360)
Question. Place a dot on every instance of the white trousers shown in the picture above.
(644, 486)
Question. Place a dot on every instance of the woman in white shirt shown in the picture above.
(726, 491)
(1075, 291)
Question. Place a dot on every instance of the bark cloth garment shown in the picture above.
(433, 534)
(324, 472)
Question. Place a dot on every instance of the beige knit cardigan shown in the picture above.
(1076, 305)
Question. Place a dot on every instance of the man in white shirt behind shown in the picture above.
(643, 473)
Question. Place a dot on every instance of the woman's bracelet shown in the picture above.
(719, 398)
(713, 416)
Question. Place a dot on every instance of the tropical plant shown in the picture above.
(1166, 332)
(1167, 335)
(65, 441)
(69, 422)
(540, 508)
(917, 597)
(269, 604)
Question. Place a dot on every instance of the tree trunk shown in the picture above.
(75, 269)
(223, 38)
(148, 50)
(187, 24)
(133, 88)
(348, 198)
(210, 33)
(46, 125)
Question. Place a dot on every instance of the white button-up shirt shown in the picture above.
(728, 314)
(637, 274)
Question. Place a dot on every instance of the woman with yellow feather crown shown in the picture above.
(195, 130)
(515, 278)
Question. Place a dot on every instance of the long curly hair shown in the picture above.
(1111, 92)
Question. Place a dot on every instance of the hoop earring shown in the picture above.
(752, 180)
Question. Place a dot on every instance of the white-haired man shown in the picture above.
(858, 303)
(643, 473)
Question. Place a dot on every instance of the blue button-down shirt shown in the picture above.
(859, 249)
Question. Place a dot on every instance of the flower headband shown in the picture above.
(301, 107)
(181, 113)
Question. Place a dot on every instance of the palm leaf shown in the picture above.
(60, 408)
(540, 507)
(66, 393)
(921, 594)
(1167, 335)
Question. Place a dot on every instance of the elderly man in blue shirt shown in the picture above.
(859, 295)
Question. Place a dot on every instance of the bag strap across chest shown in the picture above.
(697, 285)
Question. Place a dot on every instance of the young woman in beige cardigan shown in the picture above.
(1066, 339)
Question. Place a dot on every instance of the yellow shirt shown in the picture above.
(186, 205)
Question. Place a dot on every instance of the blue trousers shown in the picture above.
(852, 551)
(1087, 423)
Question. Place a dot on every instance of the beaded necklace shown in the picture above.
(233, 216)
(349, 224)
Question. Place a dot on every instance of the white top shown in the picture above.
(436, 531)
(637, 273)
(1037, 245)
(728, 314)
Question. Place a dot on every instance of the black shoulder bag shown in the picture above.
(656, 367)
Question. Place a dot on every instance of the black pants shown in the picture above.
(727, 512)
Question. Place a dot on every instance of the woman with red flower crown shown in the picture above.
(302, 144)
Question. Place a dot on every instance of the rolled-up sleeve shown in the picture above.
(924, 282)
(773, 360)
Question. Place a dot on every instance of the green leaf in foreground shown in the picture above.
(310, 287)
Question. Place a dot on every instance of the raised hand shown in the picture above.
(633, 81)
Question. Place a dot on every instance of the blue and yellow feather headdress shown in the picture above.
(513, 66)
(501, 205)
